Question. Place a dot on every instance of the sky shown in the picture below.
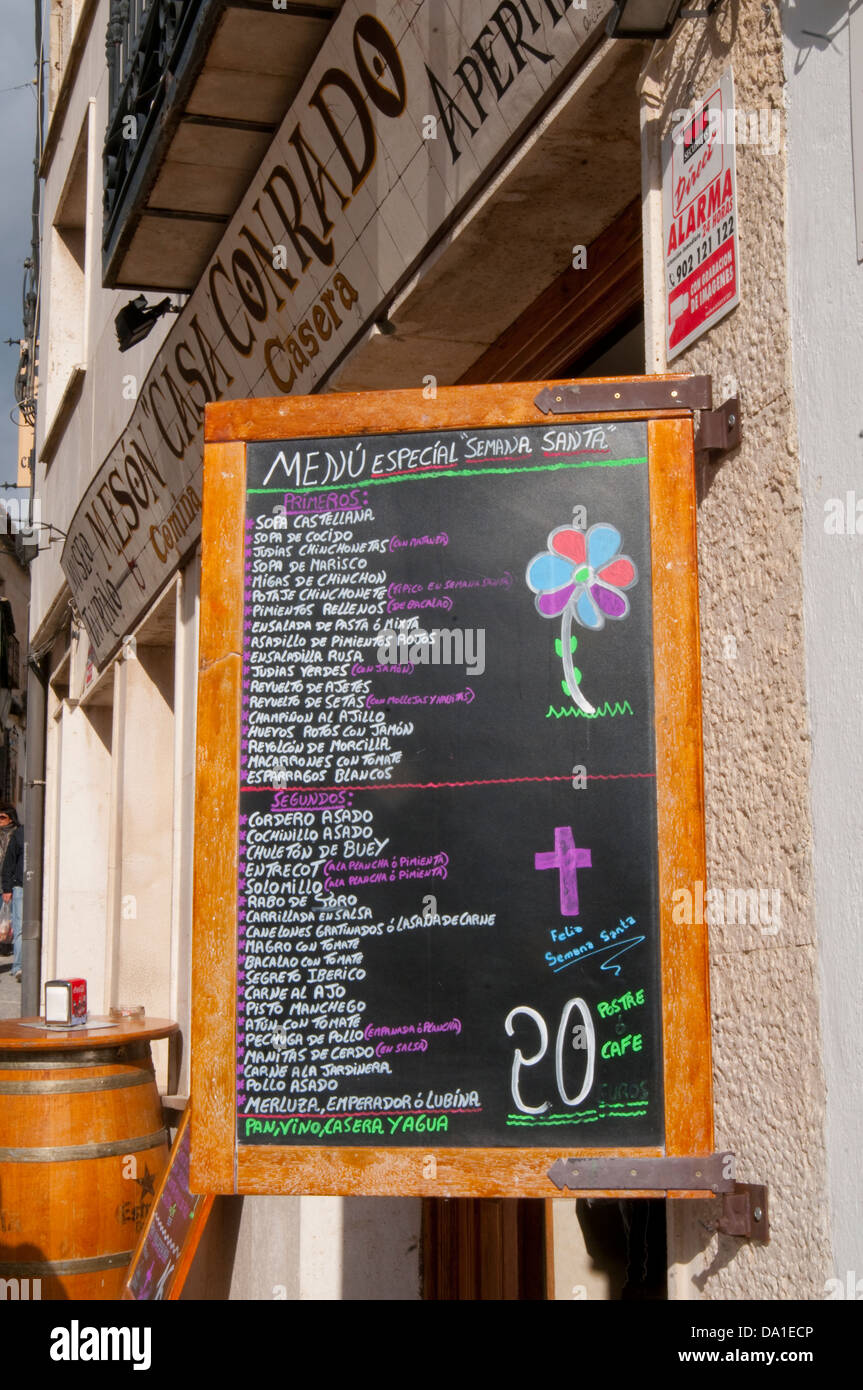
(17, 140)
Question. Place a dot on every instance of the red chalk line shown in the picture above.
(423, 786)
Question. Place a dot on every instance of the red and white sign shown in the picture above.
(699, 200)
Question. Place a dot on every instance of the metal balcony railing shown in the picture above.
(151, 46)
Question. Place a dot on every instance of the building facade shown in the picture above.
(14, 599)
(340, 197)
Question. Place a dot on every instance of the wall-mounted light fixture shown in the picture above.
(136, 318)
(651, 19)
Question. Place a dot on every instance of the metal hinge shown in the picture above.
(719, 430)
(639, 393)
(744, 1205)
(744, 1212)
(710, 1173)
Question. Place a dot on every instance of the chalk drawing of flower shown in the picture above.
(581, 576)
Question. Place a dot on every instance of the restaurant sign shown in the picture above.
(396, 125)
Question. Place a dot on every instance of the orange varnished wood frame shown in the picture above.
(220, 1163)
(193, 1235)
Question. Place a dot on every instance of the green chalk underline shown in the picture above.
(450, 473)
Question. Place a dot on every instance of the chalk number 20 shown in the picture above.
(520, 1060)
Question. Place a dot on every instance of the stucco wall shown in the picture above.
(768, 1074)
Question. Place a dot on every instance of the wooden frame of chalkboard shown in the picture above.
(430, 1164)
(148, 1259)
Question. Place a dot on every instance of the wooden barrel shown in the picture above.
(82, 1148)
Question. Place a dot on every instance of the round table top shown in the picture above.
(20, 1035)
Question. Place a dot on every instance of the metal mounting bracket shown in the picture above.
(639, 393)
(744, 1212)
(744, 1205)
(710, 1173)
(719, 430)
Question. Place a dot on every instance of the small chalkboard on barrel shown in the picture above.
(449, 792)
(174, 1227)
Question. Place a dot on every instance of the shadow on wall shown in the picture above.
(380, 1249)
(210, 1275)
(380, 1258)
(813, 25)
(626, 1241)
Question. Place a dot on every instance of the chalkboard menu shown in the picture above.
(447, 895)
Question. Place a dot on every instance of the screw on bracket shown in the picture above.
(719, 430)
(744, 1212)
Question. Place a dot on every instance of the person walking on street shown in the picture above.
(12, 878)
(7, 829)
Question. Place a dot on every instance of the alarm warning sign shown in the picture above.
(700, 219)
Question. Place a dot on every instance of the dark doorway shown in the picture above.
(484, 1249)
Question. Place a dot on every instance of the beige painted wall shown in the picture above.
(769, 1083)
(81, 854)
(827, 306)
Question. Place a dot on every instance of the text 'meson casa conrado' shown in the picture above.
(410, 119)
(448, 781)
